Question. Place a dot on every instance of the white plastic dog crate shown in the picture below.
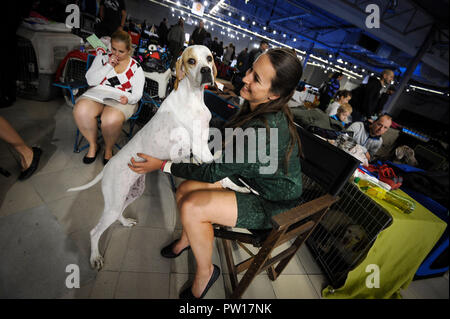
(39, 55)
(156, 84)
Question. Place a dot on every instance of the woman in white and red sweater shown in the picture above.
(116, 70)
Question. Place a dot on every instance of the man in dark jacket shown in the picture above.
(199, 34)
(214, 47)
(162, 32)
(112, 15)
(220, 49)
(176, 39)
(365, 98)
(255, 53)
(330, 89)
(242, 61)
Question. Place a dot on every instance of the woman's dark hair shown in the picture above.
(288, 71)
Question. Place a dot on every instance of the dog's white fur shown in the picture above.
(184, 107)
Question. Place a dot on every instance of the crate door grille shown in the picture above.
(346, 233)
(28, 71)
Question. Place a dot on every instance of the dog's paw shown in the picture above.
(97, 262)
(128, 222)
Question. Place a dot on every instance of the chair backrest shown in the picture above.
(90, 59)
(219, 107)
(325, 164)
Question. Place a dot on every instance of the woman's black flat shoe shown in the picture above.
(90, 160)
(187, 293)
(168, 252)
(34, 164)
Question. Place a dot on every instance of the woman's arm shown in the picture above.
(210, 172)
(98, 70)
(137, 86)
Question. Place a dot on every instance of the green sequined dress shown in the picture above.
(278, 191)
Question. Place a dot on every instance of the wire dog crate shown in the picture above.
(347, 231)
(151, 87)
(74, 71)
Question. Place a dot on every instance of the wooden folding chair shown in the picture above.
(325, 170)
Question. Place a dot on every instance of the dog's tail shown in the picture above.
(90, 184)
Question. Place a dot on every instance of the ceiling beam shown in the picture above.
(409, 43)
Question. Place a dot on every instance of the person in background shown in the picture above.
(16, 11)
(228, 55)
(365, 98)
(208, 42)
(162, 32)
(113, 15)
(342, 114)
(199, 34)
(176, 39)
(215, 47)
(242, 61)
(369, 135)
(121, 72)
(342, 97)
(384, 99)
(255, 53)
(220, 50)
(29, 156)
(330, 90)
(252, 56)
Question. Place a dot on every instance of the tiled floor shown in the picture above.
(43, 229)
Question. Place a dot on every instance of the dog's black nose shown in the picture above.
(205, 69)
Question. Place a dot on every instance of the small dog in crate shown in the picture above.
(340, 234)
(352, 243)
(405, 155)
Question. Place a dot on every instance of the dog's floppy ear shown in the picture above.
(399, 152)
(180, 73)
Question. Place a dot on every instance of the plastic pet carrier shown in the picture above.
(39, 55)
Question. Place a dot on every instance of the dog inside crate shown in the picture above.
(342, 235)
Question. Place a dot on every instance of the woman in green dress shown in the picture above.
(203, 200)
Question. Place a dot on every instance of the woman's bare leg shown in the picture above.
(85, 113)
(185, 188)
(10, 136)
(199, 210)
(112, 121)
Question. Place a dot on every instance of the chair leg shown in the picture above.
(284, 262)
(230, 263)
(271, 272)
(297, 243)
(78, 139)
(72, 98)
(258, 262)
(130, 134)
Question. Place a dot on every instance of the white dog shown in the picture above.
(183, 108)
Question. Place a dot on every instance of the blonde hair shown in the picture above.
(345, 108)
(124, 37)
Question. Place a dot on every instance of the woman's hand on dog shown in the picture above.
(149, 165)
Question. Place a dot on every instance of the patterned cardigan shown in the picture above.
(132, 80)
